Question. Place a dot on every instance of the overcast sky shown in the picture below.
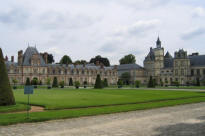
(112, 28)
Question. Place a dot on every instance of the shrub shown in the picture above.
(34, 82)
(77, 84)
(85, 84)
(28, 82)
(14, 82)
(105, 83)
(61, 84)
(119, 83)
(98, 83)
(70, 82)
(151, 83)
(48, 82)
(55, 82)
(6, 94)
(137, 83)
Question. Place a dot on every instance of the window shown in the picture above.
(182, 72)
(176, 72)
(192, 72)
(203, 71)
(198, 72)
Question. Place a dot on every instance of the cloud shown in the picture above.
(193, 33)
(139, 27)
(16, 16)
(199, 12)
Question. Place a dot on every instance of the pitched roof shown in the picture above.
(30, 51)
(168, 55)
(150, 56)
(128, 67)
(197, 60)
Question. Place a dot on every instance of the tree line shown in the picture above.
(127, 59)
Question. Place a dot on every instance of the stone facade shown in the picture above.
(32, 64)
(183, 68)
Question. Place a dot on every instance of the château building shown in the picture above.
(32, 64)
(182, 68)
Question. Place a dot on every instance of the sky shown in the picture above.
(83, 29)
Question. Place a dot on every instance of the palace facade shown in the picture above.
(32, 64)
(182, 68)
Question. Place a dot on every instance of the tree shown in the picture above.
(99, 59)
(98, 83)
(14, 82)
(151, 83)
(65, 60)
(48, 82)
(137, 83)
(80, 62)
(55, 82)
(34, 82)
(61, 84)
(28, 82)
(105, 83)
(126, 77)
(50, 59)
(6, 94)
(128, 59)
(70, 82)
(197, 82)
(77, 84)
(85, 84)
(119, 83)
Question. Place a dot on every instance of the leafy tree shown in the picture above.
(28, 82)
(151, 83)
(50, 59)
(61, 84)
(105, 83)
(55, 82)
(98, 83)
(6, 94)
(80, 62)
(65, 60)
(128, 59)
(100, 59)
(14, 82)
(119, 83)
(126, 77)
(77, 84)
(70, 82)
(137, 83)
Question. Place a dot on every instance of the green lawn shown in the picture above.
(85, 102)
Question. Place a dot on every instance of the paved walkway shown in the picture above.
(187, 120)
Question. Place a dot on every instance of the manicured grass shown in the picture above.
(13, 108)
(72, 98)
(69, 103)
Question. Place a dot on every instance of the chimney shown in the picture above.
(101, 65)
(115, 66)
(97, 63)
(45, 57)
(12, 58)
(20, 57)
(6, 58)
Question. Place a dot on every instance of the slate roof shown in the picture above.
(197, 60)
(168, 62)
(28, 54)
(150, 56)
(128, 67)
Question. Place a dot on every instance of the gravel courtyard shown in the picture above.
(186, 120)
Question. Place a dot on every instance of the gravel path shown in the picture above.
(186, 120)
